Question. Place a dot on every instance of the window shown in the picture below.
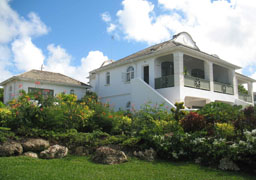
(129, 74)
(72, 91)
(10, 92)
(107, 78)
(44, 92)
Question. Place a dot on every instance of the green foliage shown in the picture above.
(178, 112)
(6, 134)
(225, 130)
(193, 122)
(241, 89)
(220, 112)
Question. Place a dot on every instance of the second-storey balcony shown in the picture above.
(195, 82)
(164, 82)
(245, 97)
(223, 88)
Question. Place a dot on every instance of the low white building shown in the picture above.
(169, 72)
(47, 83)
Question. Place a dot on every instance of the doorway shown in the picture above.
(146, 74)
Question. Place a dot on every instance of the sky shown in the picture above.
(75, 37)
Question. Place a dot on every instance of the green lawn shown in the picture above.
(72, 168)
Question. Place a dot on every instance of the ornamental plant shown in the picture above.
(193, 122)
(224, 130)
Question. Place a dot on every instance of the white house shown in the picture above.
(169, 72)
(48, 83)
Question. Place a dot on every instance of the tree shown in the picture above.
(242, 90)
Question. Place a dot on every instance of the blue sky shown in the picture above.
(74, 37)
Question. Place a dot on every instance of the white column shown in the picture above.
(178, 69)
(208, 71)
(250, 90)
(235, 84)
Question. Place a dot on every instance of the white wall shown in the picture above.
(23, 85)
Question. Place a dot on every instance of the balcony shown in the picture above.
(198, 83)
(245, 97)
(223, 88)
(164, 82)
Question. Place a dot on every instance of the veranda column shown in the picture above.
(250, 90)
(178, 76)
(235, 84)
(178, 69)
(208, 71)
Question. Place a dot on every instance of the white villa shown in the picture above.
(47, 83)
(169, 72)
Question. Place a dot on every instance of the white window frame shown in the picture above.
(129, 73)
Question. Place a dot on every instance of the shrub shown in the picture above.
(220, 112)
(5, 115)
(178, 112)
(224, 130)
(193, 122)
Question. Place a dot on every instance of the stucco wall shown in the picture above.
(22, 85)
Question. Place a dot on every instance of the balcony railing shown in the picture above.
(194, 82)
(245, 97)
(164, 82)
(223, 88)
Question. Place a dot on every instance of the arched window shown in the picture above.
(130, 73)
(107, 78)
(72, 91)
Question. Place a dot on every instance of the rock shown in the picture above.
(55, 151)
(31, 154)
(148, 154)
(227, 164)
(81, 151)
(35, 145)
(107, 155)
(10, 148)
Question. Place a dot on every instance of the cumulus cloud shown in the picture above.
(60, 61)
(219, 27)
(26, 55)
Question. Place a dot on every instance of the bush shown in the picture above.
(224, 130)
(193, 122)
(220, 112)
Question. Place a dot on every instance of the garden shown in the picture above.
(218, 135)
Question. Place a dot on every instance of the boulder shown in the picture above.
(148, 154)
(55, 151)
(107, 155)
(227, 164)
(31, 154)
(11, 148)
(81, 151)
(35, 145)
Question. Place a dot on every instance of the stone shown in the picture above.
(148, 154)
(227, 164)
(35, 145)
(31, 154)
(55, 151)
(81, 151)
(11, 148)
(107, 155)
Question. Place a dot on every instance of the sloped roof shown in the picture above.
(164, 45)
(46, 76)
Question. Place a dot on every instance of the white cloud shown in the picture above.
(12, 25)
(60, 61)
(26, 55)
(219, 27)
(111, 28)
(138, 22)
(106, 17)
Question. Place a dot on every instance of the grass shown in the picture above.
(74, 168)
